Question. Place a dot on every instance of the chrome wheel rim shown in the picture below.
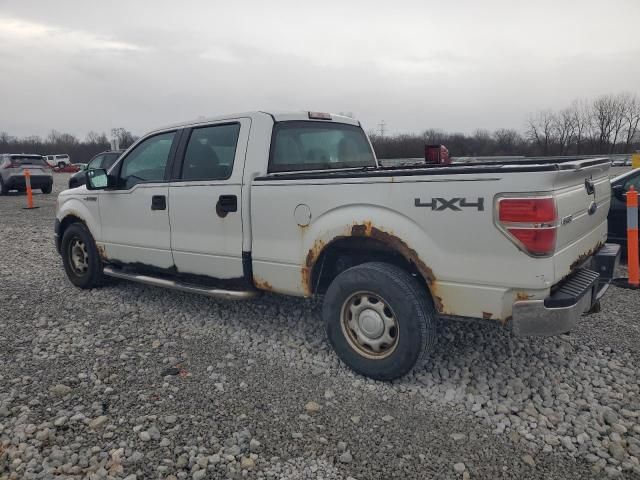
(78, 256)
(369, 325)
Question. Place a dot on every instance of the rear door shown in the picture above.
(205, 207)
(134, 215)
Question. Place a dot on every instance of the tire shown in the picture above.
(405, 304)
(61, 164)
(47, 189)
(90, 274)
(3, 189)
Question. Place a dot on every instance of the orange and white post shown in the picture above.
(27, 181)
(632, 238)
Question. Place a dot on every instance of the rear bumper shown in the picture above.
(575, 295)
(37, 181)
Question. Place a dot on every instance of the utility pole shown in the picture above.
(382, 126)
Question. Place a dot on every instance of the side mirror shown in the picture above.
(618, 192)
(97, 179)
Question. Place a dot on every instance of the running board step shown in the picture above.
(161, 282)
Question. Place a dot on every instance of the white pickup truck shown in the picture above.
(297, 204)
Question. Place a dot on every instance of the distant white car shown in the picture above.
(57, 160)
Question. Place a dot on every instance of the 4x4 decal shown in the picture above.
(455, 204)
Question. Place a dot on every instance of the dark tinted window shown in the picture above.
(318, 145)
(109, 160)
(210, 152)
(146, 162)
(27, 160)
(633, 180)
(96, 162)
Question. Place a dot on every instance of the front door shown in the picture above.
(134, 215)
(205, 207)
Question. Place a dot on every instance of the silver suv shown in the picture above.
(12, 167)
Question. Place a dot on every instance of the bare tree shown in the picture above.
(540, 130)
(580, 113)
(564, 127)
(125, 138)
(96, 138)
(508, 141)
(631, 121)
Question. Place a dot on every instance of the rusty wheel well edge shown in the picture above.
(391, 241)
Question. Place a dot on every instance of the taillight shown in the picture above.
(529, 222)
(12, 165)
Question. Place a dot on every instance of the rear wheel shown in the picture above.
(379, 320)
(80, 257)
(61, 164)
(47, 189)
(3, 189)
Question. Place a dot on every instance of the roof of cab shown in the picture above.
(276, 116)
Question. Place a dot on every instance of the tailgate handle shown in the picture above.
(588, 184)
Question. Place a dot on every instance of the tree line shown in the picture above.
(606, 125)
(80, 151)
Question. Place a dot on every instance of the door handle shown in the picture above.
(226, 204)
(158, 202)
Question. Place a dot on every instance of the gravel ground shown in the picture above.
(130, 382)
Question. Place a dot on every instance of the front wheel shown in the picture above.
(47, 189)
(61, 164)
(379, 320)
(80, 257)
(3, 189)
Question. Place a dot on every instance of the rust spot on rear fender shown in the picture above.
(367, 229)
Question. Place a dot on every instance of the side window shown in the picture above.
(96, 162)
(210, 152)
(109, 160)
(147, 162)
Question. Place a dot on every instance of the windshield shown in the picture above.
(305, 145)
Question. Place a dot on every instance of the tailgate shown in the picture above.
(582, 190)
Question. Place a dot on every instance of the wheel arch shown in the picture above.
(364, 243)
(73, 211)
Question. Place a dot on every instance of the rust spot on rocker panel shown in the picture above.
(102, 251)
(262, 284)
(368, 230)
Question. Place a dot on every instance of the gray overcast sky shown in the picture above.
(86, 65)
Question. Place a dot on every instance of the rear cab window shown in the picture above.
(317, 145)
